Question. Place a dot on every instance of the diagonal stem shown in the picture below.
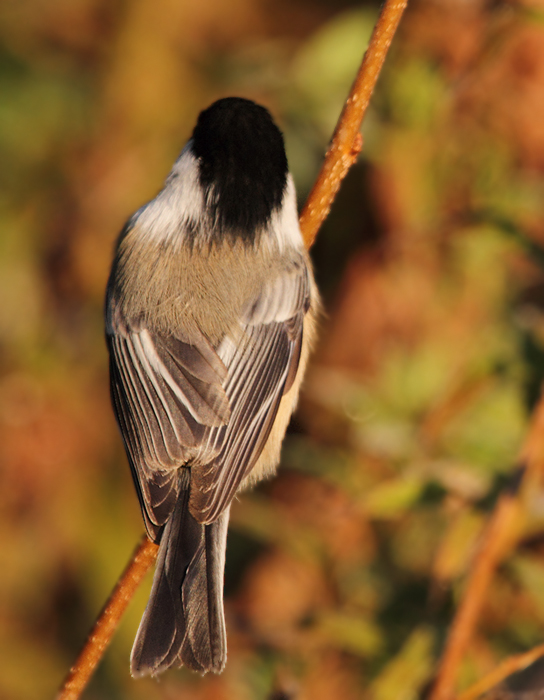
(510, 665)
(108, 620)
(497, 540)
(346, 142)
(489, 555)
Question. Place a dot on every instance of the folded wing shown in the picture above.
(180, 401)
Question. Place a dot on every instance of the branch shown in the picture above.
(504, 669)
(345, 146)
(346, 142)
(108, 620)
(496, 541)
(464, 623)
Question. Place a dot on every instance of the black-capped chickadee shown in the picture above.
(210, 316)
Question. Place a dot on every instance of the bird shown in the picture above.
(211, 312)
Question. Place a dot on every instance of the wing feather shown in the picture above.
(261, 371)
(157, 491)
(182, 402)
(151, 394)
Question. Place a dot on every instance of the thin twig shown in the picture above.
(498, 538)
(346, 141)
(108, 620)
(504, 669)
(487, 558)
(346, 145)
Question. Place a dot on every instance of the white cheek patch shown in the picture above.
(284, 226)
(178, 206)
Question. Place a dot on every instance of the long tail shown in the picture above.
(184, 622)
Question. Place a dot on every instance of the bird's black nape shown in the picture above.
(242, 160)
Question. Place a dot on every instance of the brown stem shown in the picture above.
(346, 141)
(108, 620)
(504, 669)
(498, 538)
(345, 146)
(462, 629)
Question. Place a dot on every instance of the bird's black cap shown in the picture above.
(242, 160)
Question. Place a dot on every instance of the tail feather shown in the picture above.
(202, 595)
(184, 623)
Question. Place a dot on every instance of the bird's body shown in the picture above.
(210, 315)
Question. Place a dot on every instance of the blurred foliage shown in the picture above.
(343, 572)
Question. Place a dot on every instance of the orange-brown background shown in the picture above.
(343, 572)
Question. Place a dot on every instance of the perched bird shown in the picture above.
(210, 315)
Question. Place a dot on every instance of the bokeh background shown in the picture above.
(344, 571)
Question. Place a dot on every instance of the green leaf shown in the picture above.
(393, 498)
(403, 677)
(530, 574)
(350, 633)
